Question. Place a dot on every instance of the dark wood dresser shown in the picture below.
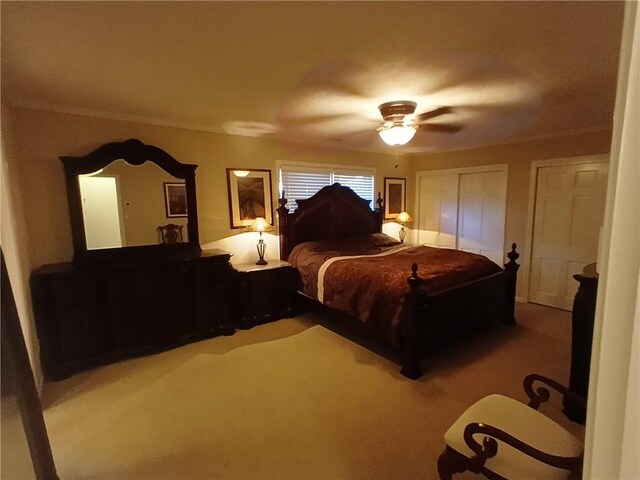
(582, 321)
(99, 313)
(264, 292)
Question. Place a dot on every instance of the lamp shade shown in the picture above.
(404, 217)
(396, 134)
(241, 173)
(261, 225)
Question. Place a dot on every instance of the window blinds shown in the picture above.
(300, 182)
(359, 182)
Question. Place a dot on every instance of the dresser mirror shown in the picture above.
(128, 199)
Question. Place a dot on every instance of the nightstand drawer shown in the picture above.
(263, 293)
(258, 287)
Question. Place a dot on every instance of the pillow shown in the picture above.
(351, 244)
(383, 240)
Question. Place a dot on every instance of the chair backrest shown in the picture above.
(171, 233)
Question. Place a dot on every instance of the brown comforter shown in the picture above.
(373, 289)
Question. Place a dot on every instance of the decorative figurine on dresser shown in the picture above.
(125, 294)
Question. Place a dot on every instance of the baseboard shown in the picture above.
(521, 300)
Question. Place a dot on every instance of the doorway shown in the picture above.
(568, 210)
(101, 211)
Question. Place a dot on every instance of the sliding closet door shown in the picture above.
(463, 208)
(481, 214)
(438, 210)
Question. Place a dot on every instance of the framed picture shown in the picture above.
(395, 197)
(249, 196)
(175, 199)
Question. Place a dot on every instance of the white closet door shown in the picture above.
(568, 214)
(438, 210)
(464, 209)
(481, 213)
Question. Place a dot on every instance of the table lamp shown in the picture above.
(402, 218)
(261, 225)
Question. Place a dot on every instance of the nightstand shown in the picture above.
(263, 293)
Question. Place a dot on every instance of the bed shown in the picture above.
(407, 296)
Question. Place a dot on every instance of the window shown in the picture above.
(303, 181)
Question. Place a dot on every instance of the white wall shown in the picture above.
(12, 229)
(243, 247)
(611, 444)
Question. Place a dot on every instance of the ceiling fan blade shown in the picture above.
(442, 127)
(311, 119)
(423, 117)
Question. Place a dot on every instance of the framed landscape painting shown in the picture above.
(249, 196)
(395, 197)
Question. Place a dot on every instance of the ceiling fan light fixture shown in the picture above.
(397, 134)
(398, 127)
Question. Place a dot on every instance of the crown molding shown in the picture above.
(56, 108)
(124, 117)
(531, 138)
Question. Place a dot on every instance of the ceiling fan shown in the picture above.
(400, 122)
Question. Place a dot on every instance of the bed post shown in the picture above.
(511, 275)
(283, 214)
(411, 360)
(380, 211)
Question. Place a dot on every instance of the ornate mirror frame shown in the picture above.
(134, 152)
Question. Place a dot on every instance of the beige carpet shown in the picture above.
(289, 399)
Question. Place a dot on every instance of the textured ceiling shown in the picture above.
(315, 72)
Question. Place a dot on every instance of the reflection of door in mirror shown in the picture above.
(101, 211)
(139, 202)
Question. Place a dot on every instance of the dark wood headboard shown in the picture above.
(334, 212)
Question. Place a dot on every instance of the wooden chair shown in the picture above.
(171, 233)
(517, 441)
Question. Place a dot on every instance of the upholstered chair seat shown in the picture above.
(524, 423)
(502, 438)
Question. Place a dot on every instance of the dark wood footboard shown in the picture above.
(455, 312)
